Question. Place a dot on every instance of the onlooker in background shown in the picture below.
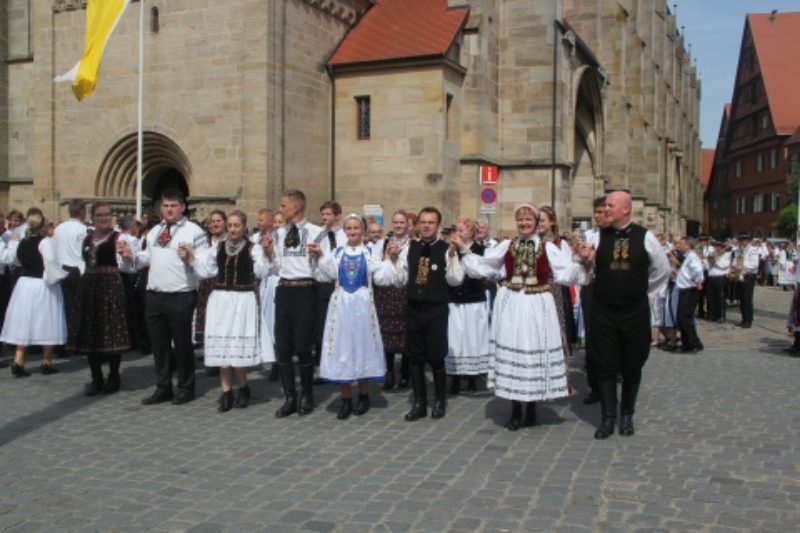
(374, 233)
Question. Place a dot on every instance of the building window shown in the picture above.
(363, 112)
(775, 203)
(773, 158)
(765, 121)
(448, 117)
(759, 162)
(758, 203)
(739, 168)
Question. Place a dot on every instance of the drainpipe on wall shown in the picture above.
(556, 30)
(333, 132)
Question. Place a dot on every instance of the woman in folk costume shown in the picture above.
(236, 336)
(391, 304)
(215, 230)
(547, 229)
(785, 270)
(468, 321)
(35, 314)
(352, 349)
(98, 325)
(526, 362)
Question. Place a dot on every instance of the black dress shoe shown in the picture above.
(226, 401)
(670, 347)
(93, 388)
(455, 385)
(794, 348)
(49, 369)
(530, 415)
(515, 422)
(159, 396)
(242, 397)
(362, 406)
(626, 425)
(345, 409)
(112, 385)
(591, 398)
(18, 371)
(747, 325)
(289, 407)
(183, 397)
(606, 428)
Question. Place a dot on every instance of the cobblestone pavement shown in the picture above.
(717, 448)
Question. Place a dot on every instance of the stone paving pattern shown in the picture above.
(716, 449)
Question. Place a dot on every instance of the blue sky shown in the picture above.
(714, 29)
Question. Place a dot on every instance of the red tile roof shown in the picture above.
(400, 29)
(706, 166)
(777, 42)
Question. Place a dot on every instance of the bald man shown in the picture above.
(374, 233)
(628, 263)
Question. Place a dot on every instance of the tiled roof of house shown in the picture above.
(777, 43)
(401, 29)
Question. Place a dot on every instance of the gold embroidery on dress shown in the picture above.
(423, 270)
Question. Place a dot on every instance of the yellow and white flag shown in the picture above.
(102, 17)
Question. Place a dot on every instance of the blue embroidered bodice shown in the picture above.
(353, 272)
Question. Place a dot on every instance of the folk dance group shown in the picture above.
(424, 297)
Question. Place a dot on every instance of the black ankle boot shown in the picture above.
(286, 373)
(608, 405)
(345, 409)
(420, 408)
(306, 390)
(794, 348)
(18, 371)
(112, 385)
(530, 415)
(242, 397)
(455, 385)
(472, 384)
(94, 387)
(440, 393)
(515, 422)
(405, 372)
(388, 384)
(226, 401)
(627, 407)
(362, 406)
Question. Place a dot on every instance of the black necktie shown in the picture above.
(332, 240)
(292, 237)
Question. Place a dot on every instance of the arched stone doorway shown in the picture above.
(587, 148)
(164, 165)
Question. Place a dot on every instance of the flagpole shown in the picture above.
(140, 132)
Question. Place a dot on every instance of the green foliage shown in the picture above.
(786, 225)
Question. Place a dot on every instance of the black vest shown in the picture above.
(426, 271)
(105, 254)
(621, 267)
(30, 258)
(235, 273)
(472, 290)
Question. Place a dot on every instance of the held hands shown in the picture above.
(314, 249)
(124, 250)
(185, 253)
(393, 251)
(586, 251)
(267, 245)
